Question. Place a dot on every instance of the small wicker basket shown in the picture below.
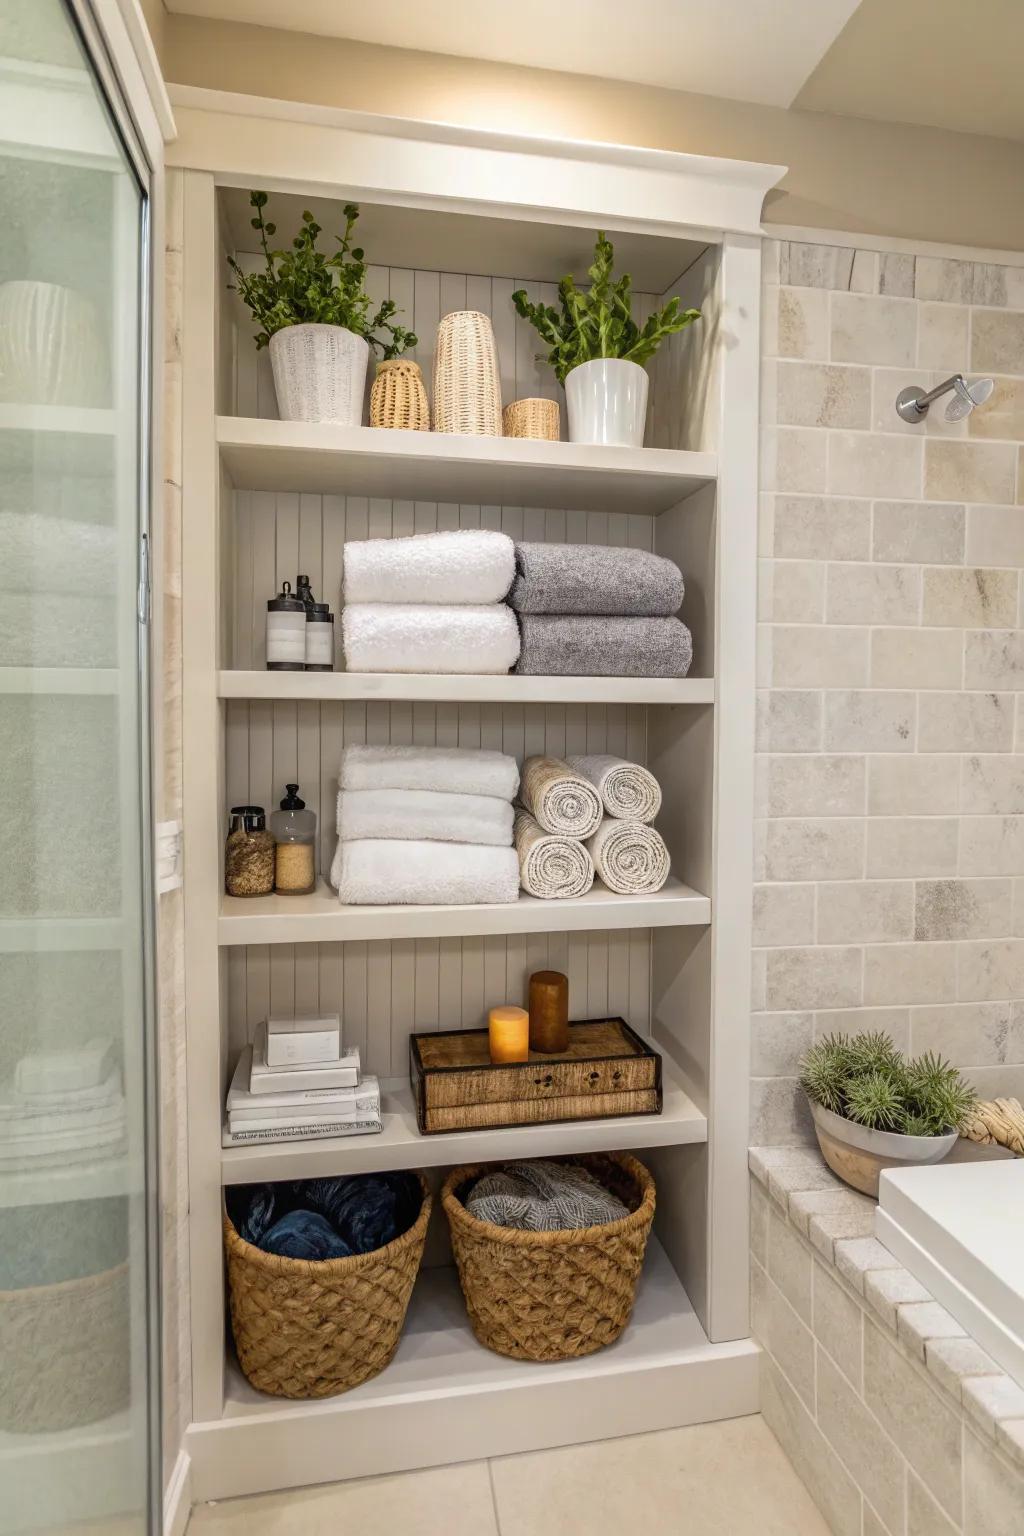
(399, 396)
(304, 1329)
(553, 1295)
(532, 418)
(467, 385)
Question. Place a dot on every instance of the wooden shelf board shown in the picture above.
(321, 919)
(355, 686)
(426, 466)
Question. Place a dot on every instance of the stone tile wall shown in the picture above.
(889, 865)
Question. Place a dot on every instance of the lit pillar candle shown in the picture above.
(508, 1031)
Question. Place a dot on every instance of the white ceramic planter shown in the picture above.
(50, 347)
(858, 1155)
(320, 373)
(606, 400)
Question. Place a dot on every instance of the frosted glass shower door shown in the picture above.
(77, 1307)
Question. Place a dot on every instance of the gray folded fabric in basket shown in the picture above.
(543, 1197)
(577, 645)
(594, 578)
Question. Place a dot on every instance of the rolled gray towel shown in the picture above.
(543, 1197)
(575, 645)
(594, 578)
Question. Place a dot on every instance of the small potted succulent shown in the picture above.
(598, 350)
(873, 1108)
(316, 317)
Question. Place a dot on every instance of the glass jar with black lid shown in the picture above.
(249, 853)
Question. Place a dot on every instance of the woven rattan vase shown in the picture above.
(552, 1295)
(399, 396)
(467, 385)
(307, 1329)
(532, 418)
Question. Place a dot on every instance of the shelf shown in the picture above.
(58, 681)
(425, 466)
(321, 919)
(476, 689)
(444, 1390)
(400, 1144)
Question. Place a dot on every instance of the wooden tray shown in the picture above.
(608, 1070)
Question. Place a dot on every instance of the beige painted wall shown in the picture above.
(845, 173)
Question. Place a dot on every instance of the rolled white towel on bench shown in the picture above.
(627, 790)
(376, 872)
(424, 814)
(418, 637)
(630, 857)
(465, 565)
(550, 866)
(451, 770)
(562, 801)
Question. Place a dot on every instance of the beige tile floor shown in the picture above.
(726, 1479)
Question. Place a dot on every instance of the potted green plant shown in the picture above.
(874, 1108)
(598, 351)
(317, 319)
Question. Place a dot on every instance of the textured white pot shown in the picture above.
(607, 402)
(50, 348)
(320, 373)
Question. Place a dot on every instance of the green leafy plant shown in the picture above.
(865, 1078)
(597, 322)
(305, 286)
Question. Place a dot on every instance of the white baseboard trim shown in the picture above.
(178, 1496)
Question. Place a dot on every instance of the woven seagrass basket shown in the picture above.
(399, 396)
(305, 1329)
(532, 418)
(552, 1295)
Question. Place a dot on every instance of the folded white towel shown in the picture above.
(417, 637)
(470, 565)
(424, 814)
(562, 801)
(449, 770)
(630, 857)
(550, 866)
(400, 873)
(628, 791)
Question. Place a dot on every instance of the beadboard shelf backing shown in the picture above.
(363, 687)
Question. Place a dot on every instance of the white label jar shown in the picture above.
(319, 638)
(286, 632)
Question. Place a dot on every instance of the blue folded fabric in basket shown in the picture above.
(326, 1218)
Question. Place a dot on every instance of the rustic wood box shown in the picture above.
(608, 1070)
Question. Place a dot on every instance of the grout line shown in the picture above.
(494, 1495)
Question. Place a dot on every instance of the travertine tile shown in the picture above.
(794, 459)
(860, 1442)
(796, 592)
(992, 785)
(987, 1399)
(758, 978)
(758, 1223)
(817, 786)
(971, 1034)
(937, 278)
(883, 466)
(951, 1360)
(886, 1290)
(783, 915)
(777, 1042)
(917, 658)
(801, 323)
(911, 1411)
(822, 395)
(972, 598)
(962, 909)
(911, 846)
(1002, 1082)
(815, 266)
(993, 1491)
(820, 1469)
(1002, 415)
(892, 1021)
(788, 1162)
(880, 331)
(872, 1524)
(806, 656)
(829, 1227)
(997, 341)
(806, 1206)
(991, 970)
(941, 336)
(994, 659)
(822, 528)
(865, 721)
(777, 1328)
(807, 849)
(837, 1323)
(988, 284)
(778, 1112)
(896, 275)
(929, 532)
(992, 845)
(924, 1517)
(910, 973)
(824, 977)
(858, 1257)
(789, 1265)
(965, 722)
(789, 721)
(864, 912)
(1010, 1439)
(873, 594)
(781, 1181)
(995, 536)
(957, 470)
(919, 1321)
(908, 786)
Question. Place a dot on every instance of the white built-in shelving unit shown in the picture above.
(458, 219)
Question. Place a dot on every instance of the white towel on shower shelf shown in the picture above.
(628, 791)
(418, 637)
(550, 866)
(466, 565)
(376, 872)
(451, 770)
(424, 814)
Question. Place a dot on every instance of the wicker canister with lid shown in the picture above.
(467, 384)
(533, 418)
(399, 396)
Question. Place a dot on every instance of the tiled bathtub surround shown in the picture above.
(898, 1423)
(889, 866)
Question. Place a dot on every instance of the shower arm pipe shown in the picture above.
(925, 400)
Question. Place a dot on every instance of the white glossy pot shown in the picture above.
(320, 373)
(606, 401)
(50, 347)
(858, 1155)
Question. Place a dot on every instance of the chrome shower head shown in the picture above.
(912, 403)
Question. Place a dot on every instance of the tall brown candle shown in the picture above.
(549, 1012)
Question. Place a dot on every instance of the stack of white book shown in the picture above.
(295, 1083)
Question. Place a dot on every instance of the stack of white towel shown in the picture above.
(63, 1107)
(431, 603)
(425, 826)
(584, 815)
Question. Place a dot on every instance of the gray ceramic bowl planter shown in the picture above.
(858, 1155)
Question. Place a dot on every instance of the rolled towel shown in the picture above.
(550, 866)
(562, 801)
(417, 637)
(469, 565)
(627, 790)
(405, 873)
(451, 770)
(594, 578)
(424, 814)
(577, 646)
(630, 857)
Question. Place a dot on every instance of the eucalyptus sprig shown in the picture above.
(305, 286)
(597, 322)
(865, 1078)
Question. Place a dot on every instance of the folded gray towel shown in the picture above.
(543, 1197)
(594, 578)
(575, 645)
